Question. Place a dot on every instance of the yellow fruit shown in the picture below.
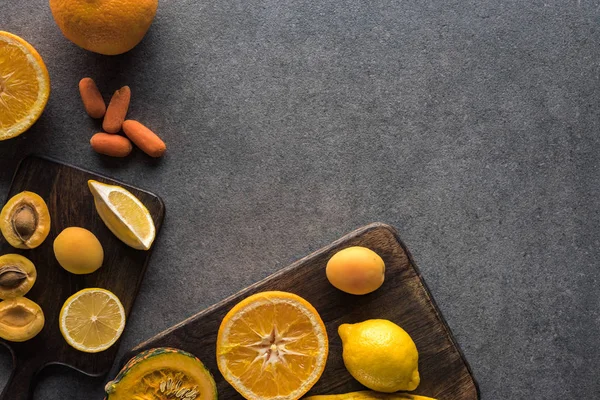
(104, 26)
(272, 345)
(124, 214)
(92, 320)
(25, 220)
(380, 355)
(368, 395)
(163, 373)
(356, 270)
(24, 85)
(78, 251)
(20, 319)
(17, 276)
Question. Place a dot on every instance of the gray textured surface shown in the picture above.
(471, 126)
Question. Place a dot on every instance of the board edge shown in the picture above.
(436, 308)
(359, 231)
(70, 165)
(160, 221)
(247, 289)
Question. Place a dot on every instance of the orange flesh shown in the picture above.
(18, 85)
(150, 377)
(273, 349)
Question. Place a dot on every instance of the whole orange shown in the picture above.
(104, 26)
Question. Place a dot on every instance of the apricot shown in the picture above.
(17, 276)
(25, 220)
(78, 251)
(356, 270)
(20, 319)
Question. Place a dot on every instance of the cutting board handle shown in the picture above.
(20, 383)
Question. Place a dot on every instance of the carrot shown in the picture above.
(144, 138)
(91, 97)
(117, 110)
(111, 145)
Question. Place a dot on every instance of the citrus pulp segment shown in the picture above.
(24, 85)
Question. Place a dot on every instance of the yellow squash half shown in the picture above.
(163, 373)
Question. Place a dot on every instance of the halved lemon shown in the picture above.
(24, 85)
(92, 320)
(272, 345)
(124, 214)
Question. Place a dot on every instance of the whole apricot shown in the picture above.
(356, 270)
(78, 251)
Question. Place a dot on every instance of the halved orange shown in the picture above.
(272, 346)
(24, 85)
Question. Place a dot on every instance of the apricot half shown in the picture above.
(25, 221)
(20, 319)
(78, 251)
(17, 276)
(356, 270)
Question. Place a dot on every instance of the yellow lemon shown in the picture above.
(368, 395)
(24, 85)
(104, 26)
(380, 355)
(92, 320)
(124, 214)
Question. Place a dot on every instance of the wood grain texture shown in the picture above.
(403, 299)
(65, 190)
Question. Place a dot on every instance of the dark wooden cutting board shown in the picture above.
(403, 299)
(65, 190)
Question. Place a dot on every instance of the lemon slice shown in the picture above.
(24, 85)
(92, 320)
(124, 214)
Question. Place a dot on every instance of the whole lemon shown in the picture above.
(104, 26)
(356, 270)
(78, 251)
(380, 355)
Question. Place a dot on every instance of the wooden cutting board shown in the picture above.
(403, 299)
(65, 190)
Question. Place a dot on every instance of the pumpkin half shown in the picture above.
(160, 374)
